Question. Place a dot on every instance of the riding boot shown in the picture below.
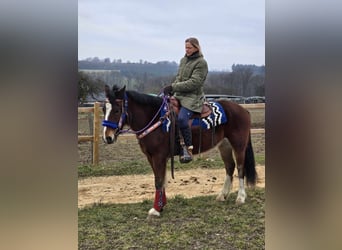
(186, 156)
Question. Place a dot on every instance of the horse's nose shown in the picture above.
(109, 140)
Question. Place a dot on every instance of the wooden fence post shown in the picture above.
(96, 133)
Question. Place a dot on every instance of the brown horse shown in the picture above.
(141, 112)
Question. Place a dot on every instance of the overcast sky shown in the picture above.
(154, 30)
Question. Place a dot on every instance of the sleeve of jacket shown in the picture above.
(196, 80)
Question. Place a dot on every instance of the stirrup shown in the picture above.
(187, 155)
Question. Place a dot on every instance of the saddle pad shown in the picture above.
(217, 117)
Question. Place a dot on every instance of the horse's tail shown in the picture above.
(251, 174)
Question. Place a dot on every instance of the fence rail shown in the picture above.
(254, 106)
(96, 127)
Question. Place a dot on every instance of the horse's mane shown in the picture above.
(145, 99)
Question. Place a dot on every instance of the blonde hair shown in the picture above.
(194, 42)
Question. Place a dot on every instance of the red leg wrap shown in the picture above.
(159, 199)
(164, 197)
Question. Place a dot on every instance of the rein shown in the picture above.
(148, 128)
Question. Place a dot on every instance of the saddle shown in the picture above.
(206, 108)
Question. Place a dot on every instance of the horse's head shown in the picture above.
(114, 113)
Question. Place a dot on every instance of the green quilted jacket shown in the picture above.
(188, 85)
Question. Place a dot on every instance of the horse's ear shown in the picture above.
(107, 90)
(123, 88)
(121, 93)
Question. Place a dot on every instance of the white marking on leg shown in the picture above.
(153, 212)
(242, 193)
(223, 195)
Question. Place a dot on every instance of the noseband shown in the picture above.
(110, 124)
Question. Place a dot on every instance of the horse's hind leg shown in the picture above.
(226, 152)
(240, 159)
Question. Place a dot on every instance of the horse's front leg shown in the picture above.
(159, 170)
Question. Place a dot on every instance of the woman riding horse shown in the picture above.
(188, 89)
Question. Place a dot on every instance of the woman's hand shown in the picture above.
(167, 90)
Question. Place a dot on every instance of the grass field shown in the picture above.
(197, 223)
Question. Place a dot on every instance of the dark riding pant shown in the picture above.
(183, 117)
(183, 122)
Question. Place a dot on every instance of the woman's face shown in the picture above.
(189, 49)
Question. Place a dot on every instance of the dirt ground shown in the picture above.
(136, 188)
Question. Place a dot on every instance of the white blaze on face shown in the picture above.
(108, 110)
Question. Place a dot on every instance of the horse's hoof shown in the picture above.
(220, 197)
(240, 200)
(241, 197)
(153, 213)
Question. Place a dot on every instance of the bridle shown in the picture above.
(122, 120)
(124, 115)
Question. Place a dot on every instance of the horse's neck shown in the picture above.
(141, 115)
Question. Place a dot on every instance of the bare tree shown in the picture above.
(87, 86)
